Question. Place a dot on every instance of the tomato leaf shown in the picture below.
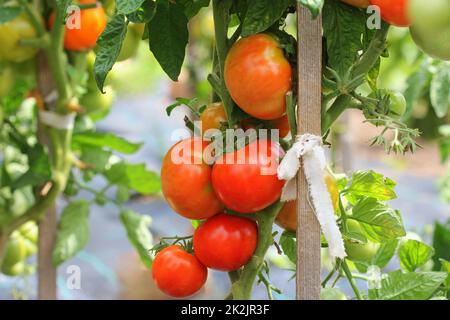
(107, 140)
(128, 6)
(371, 184)
(414, 254)
(315, 6)
(138, 233)
(288, 243)
(261, 14)
(440, 90)
(441, 243)
(9, 13)
(416, 85)
(109, 45)
(144, 14)
(408, 286)
(134, 176)
(192, 7)
(169, 37)
(96, 158)
(379, 222)
(73, 231)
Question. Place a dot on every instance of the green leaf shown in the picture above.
(372, 184)
(315, 6)
(73, 231)
(144, 14)
(192, 7)
(343, 27)
(138, 233)
(445, 266)
(441, 243)
(134, 176)
(106, 140)
(379, 222)
(288, 243)
(128, 6)
(122, 193)
(109, 45)
(261, 14)
(96, 158)
(39, 170)
(9, 13)
(414, 254)
(408, 286)
(416, 85)
(440, 90)
(169, 36)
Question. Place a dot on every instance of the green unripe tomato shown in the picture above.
(14, 270)
(436, 45)
(11, 33)
(30, 231)
(95, 101)
(429, 15)
(30, 247)
(15, 250)
(130, 44)
(362, 252)
(332, 294)
(397, 104)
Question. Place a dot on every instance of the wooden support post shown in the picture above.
(47, 227)
(309, 115)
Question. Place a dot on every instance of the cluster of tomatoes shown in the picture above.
(429, 21)
(22, 244)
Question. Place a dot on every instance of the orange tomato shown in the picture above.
(213, 116)
(282, 124)
(92, 23)
(258, 76)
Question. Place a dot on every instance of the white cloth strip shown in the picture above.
(309, 147)
(56, 120)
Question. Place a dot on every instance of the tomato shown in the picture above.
(213, 116)
(357, 3)
(30, 231)
(225, 242)
(394, 12)
(258, 76)
(15, 251)
(186, 185)
(362, 252)
(282, 124)
(436, 45)
(130, 44)
(178, 273)
(11, 33)
(14, 270)
(287, 218)
(332, 294)
(95, 101)
(7, 79)
(397, 104)
(92, 23)
(246, 180)
(430, 15)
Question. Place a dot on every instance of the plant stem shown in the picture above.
(242, 288)
(34, 18)
(363, 66)
(221, 18)
(349, 276)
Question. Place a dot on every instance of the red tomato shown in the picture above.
(213, 117)
(282, 124)
(246, 180)
(225, 242)
(178, 273)
(92, 23)
(394, 12)
(258, 76)
(186, 180)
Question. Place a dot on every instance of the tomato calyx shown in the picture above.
(183, 242)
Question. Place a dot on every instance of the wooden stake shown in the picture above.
(309, 115)
(47, 227)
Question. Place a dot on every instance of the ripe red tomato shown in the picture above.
(186, 180)
(258, 76)
(246, 180)
(178, 273)
(282, 124)
(213, 117)
(225, 242)
(92, 23)
(394, 12)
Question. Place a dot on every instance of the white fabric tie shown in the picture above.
(309, 147)
(56, 120)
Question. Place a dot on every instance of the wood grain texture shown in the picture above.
(309, 109)
(47, 227)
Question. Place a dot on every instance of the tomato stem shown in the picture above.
(351, 280)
